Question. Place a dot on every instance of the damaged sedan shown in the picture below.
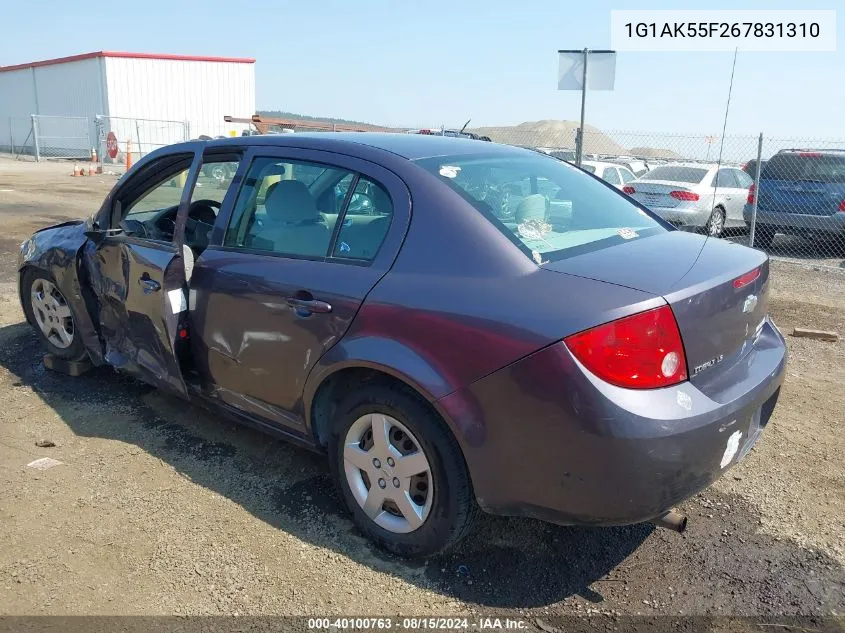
(457, 325)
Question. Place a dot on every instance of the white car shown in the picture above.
(695, 195)
(616, 175)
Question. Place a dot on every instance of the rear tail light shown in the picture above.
(629, 189)
(684, 195)
(842, 206)
(751, 191)
(810, 154)
(641, 351)
(747, 278)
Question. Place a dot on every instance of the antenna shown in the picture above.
(465, 125)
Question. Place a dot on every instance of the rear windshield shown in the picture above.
(676, 173)
(818, 167)
(548, 208)
(589, 168)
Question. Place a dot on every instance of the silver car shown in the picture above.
(694, 195)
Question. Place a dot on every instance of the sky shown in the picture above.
(438, 62)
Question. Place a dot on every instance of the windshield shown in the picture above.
(676, 173)
(550, 209)
(805, 166)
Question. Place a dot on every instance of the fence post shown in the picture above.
(11, 138)
(756, 191)
(35, 137)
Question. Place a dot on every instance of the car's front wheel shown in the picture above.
(400, 472)
(51, 315)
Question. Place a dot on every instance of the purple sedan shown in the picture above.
(456, 324)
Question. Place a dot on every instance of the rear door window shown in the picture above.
(744, 180)
(365, 223)
(724, 179)
(612, 176)
(827, 168)
(627, 176)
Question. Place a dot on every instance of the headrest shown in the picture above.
(290, 201)
(531, 207)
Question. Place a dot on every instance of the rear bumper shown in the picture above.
(834, 223)
(556, 443)
(683, 216)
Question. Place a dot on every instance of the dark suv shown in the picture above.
(801, 192)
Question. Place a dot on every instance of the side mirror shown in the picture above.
(96, 234)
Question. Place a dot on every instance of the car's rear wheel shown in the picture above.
(763, 236)
(400, 472)
(716, 223)
(51, 316)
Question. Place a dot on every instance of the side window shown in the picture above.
(725, 178)
(745, 181)
(612, 176)
(165, 194)
(150, 205)
(627, 176)
(277, 208)
(212, 184)
(365, 223)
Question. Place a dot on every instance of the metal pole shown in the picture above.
(756, 190)
(579, 154)
(138, 136)
(11, 138)
(35, 138)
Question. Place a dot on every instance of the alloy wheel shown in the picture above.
(716, 224)
(388, 473)
(52, 313)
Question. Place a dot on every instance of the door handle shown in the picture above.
(310, 305)
(149, 285)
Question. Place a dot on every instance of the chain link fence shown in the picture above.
(136, 137)
(16, 136)
(61, 136)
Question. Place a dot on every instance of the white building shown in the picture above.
(148, 100)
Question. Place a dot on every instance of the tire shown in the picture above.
(715, 223)
(70, 347)
(449, 497)
(763, 237)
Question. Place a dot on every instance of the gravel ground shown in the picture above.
(159, 507)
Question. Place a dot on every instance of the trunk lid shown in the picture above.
(718, 321)
(656, 193)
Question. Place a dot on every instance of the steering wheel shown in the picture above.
(198, 230)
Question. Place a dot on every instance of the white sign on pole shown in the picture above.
(601, 70)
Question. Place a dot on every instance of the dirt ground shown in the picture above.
(159, 507)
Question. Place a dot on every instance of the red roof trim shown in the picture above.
(76, 58)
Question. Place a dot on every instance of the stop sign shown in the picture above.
(111, 145)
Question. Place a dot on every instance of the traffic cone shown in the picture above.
(77, 171)
(128, 154)
(92, 165)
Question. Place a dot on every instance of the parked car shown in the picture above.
(750, 167)
(616, 175)
(694, 195)
(638, 167)
(801, 192)
(567, 155)
(563, 368)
